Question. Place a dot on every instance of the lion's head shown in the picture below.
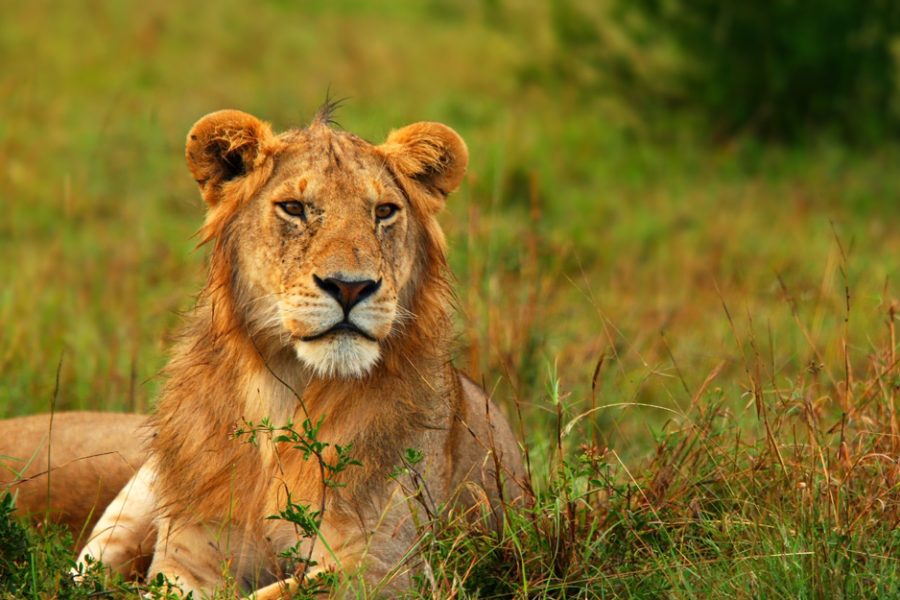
(325, 243)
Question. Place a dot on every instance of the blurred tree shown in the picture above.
(775, 68)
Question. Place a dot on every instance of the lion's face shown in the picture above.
(328, 243)
(324, 238)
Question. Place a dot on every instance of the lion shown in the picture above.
(314, 374)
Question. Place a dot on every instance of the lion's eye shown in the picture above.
(293, 208)
(383, 212)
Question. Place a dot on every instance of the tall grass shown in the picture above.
(798, 500)
(696, 344)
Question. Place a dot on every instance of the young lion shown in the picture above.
(327, 303)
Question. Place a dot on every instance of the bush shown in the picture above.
(779, 69)
(14, 556)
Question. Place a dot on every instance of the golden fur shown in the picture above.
(292, 218)
(69, 470)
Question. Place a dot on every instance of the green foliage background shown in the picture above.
(780, 69)
(604, 216)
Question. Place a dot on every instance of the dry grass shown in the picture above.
(802, 501)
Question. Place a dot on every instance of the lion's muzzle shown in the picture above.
(338, 333)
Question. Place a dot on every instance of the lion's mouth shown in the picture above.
(343, 326)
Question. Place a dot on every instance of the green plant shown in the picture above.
(305, 519)
(38, 563)
(777, 69)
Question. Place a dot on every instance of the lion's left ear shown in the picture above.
(430, 153)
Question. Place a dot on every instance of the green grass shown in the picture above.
(741, 442)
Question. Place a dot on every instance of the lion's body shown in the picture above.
(70, 468)
(327, 302)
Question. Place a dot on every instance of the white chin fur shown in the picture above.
(342, 355)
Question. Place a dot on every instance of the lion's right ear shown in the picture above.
(223, 146)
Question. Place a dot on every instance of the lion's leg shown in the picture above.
(197, 557)
(285, 588)
(370, 557)
(125, 533)
(188, 556)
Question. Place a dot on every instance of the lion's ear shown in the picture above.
(223, 146)
(430, 153)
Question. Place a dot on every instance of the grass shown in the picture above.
(697, 342)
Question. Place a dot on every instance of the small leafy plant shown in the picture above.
(305, 519)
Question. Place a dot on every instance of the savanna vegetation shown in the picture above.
(676, 255)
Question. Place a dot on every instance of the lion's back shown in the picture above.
(485, 450)
(89, 457)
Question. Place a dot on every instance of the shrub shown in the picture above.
(778, 69)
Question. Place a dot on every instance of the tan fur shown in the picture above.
(124, 537)
(91, 457)
(255, 348)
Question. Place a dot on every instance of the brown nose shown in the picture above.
(347, 293)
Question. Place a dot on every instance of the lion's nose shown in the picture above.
(347, 293)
